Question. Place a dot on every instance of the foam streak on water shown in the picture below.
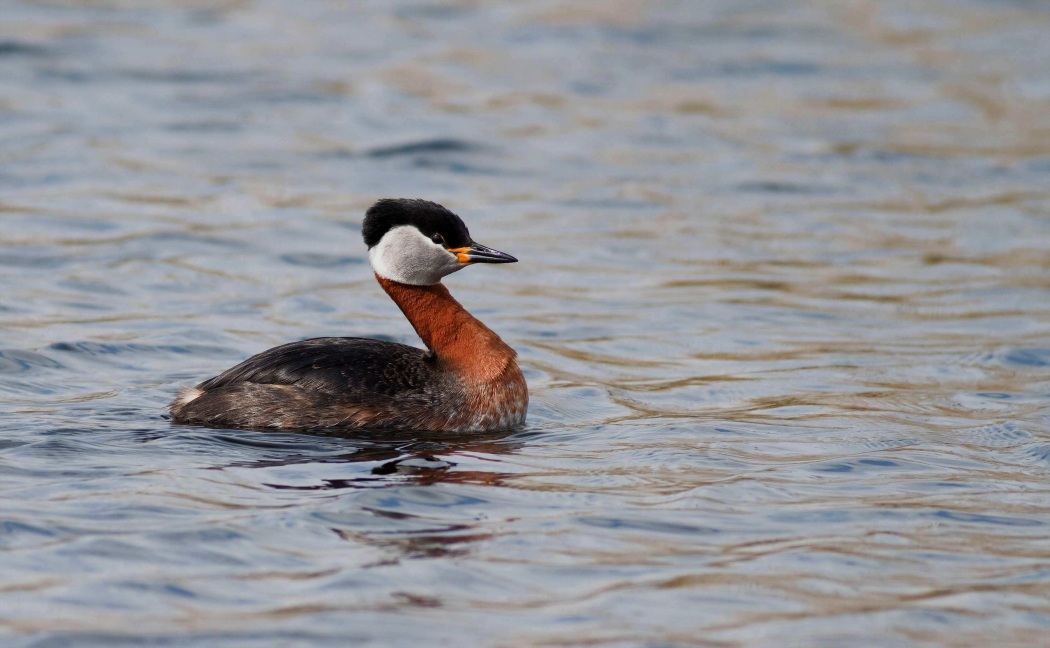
(783, 304)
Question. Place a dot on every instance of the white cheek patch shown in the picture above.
(406, 256)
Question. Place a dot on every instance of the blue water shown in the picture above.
(783, 305)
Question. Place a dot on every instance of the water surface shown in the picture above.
(783, 305)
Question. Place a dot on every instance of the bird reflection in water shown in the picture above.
(424, 457)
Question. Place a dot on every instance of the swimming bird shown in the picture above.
(466, 380)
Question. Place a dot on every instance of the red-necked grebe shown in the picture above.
(466, 380)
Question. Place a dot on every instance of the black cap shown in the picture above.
(428, 217)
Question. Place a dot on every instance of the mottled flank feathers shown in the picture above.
(326, 382)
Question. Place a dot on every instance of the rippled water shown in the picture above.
(783, 305)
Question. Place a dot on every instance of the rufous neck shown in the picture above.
(457, 338)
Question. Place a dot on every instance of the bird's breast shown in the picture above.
(498, 404)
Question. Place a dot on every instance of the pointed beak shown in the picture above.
(477, 253)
